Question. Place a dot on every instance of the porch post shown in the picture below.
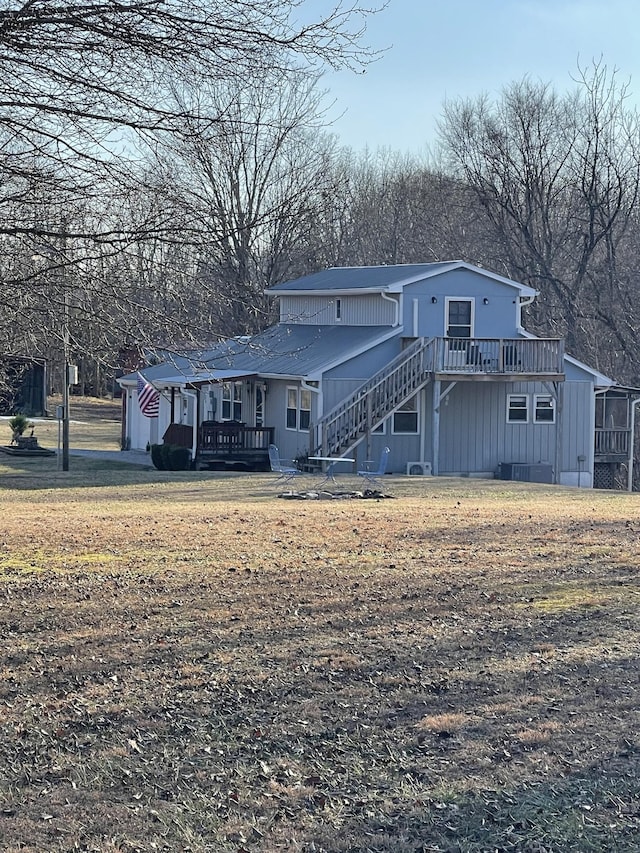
(632, 443)
(559, 387)
(435, 438)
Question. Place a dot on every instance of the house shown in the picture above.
(430, 360)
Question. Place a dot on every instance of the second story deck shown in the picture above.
(498, 358)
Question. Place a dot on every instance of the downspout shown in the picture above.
(396, 304)
(524, 301)
(632, 436)
(196, 416)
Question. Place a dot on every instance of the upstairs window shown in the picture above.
(338, 306)
(459, 318)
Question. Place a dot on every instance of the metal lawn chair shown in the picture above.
(374, 476)
(285, 472)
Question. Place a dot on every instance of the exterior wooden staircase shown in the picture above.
(349, 423)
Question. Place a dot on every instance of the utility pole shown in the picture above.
(65, 350)
(65, 381)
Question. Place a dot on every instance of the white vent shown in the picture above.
(419, 469)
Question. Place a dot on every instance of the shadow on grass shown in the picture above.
(244, 711)
(17, 473)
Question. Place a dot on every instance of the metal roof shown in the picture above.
(392, 277)
(287, 349)
(360, 278)
(296, 349)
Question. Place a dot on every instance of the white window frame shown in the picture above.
(404, 410)
(291, 389)
(304, 410)
(381, 429)
(338, 309)
(549, 398)
(472, 315)
(511, 408)
(232, 397)
(259, 405)
(302, 413)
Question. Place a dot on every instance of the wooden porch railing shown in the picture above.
(228, 438)
(612, 441)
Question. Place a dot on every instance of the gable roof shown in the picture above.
(391, 278)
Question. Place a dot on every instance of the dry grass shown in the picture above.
(191, 664)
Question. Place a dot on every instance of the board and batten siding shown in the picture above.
(577, 435)
(475, 436)
(365, 310)
(291, 443)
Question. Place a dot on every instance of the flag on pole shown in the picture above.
(148, 398)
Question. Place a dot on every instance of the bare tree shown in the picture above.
(558, 178)
(81, 84)
(81, 79)
(245, 189)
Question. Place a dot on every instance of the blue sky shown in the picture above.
(450, 48)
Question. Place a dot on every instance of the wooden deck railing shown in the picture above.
(500, 356)
(612, 441)
(228, 438)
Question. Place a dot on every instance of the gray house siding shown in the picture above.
(364, 310)
(475, 436)
(578, 427)
(367, 363)
(291, 442)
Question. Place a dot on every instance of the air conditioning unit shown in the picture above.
(419, 469)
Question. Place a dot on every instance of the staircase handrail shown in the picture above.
(361, 412)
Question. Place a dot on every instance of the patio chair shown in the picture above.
(285, 472)
(374, 476)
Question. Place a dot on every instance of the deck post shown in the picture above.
(435, 438)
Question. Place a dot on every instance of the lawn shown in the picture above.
(190, 663)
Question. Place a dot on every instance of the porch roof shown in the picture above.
(181, 371)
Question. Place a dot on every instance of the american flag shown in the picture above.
(148, 398)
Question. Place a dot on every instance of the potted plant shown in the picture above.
(18, 425)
